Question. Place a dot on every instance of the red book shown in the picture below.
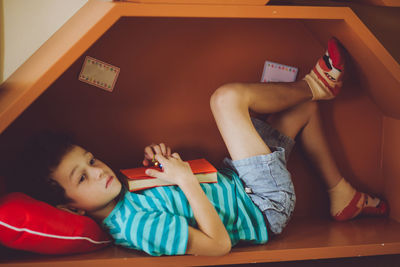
(139, 180)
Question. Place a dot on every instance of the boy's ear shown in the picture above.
(71, 209)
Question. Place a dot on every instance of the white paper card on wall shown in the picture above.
(99, 73)
(275, 72)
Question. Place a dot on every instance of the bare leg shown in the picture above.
(318, 150)
(230, 105)
(346, 202)
(304, 120)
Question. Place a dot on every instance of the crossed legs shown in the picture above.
(293, 114)
(230, 105)
(303, 120)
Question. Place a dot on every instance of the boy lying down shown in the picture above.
(253, 196)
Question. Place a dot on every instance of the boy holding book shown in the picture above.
(253, 196)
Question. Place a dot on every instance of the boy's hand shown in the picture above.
(174, 170)
(154, 149)
(210, 237)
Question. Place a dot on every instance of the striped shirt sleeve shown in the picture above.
(157, 233)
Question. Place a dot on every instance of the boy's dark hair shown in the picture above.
(34, 167)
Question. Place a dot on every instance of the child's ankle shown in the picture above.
(345, 202)
(348, 203)
(325, 78)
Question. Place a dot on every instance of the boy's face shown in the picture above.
(91, 184)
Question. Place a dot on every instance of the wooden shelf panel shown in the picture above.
(95, 18)
(388, 3)
(303, 239)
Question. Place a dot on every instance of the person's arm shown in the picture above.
(211, 238)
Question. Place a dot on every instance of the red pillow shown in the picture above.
(32, 225)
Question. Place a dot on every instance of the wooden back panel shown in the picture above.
(169, 69)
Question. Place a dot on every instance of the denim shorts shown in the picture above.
(266, 178)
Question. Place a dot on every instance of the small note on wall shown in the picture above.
(99, 73)
(275, 72)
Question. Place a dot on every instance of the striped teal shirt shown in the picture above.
(156, 220)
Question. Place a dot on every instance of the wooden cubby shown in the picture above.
(172, 57)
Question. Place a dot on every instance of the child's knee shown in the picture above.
(312, 107)
(226, 96)
(305, 111)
